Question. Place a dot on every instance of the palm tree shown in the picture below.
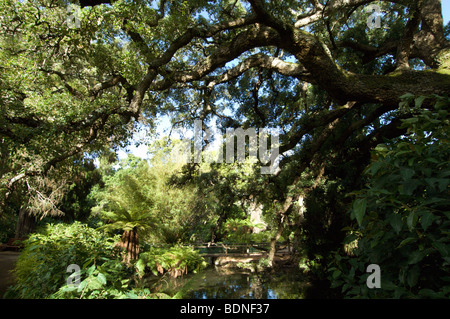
(133, 225)
(126, 205)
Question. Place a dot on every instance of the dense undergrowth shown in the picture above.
(41, 270)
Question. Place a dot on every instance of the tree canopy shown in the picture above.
(334, 78)
(313, 69)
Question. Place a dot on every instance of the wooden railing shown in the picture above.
(224, 248)
(229, 248)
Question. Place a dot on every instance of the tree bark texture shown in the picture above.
(130, 245)
(26, 224)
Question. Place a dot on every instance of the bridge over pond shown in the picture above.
(245, 249)
(222, 254)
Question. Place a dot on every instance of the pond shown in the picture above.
(224, 283)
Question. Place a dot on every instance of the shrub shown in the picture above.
(42, 266)
(110, 280)
(176, 261)
(403, 222)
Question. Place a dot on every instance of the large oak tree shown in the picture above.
(311, 68)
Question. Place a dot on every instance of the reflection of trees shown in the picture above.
(289, 285)
(235, 284)
(258, 288)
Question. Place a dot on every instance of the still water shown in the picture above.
(216, 283)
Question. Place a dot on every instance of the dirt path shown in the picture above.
(7, 261)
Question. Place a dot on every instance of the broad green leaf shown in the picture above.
(442, 248)
(407, 96)
(373, 169)
(406, 173)
(83, 284)
(413, 276)
(140, 266)
(411, 220)
(432, 160)
(408, 187)
(416, 256)
(396, 222)
(426, 220)
(101, 278)
(359, 209)
(407, 241)
(91, 270)
(419, 101)
(429, 293)
(95, 284)
(410, 121)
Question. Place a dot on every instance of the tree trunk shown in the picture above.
(26, 224)
(273, 243)
(281, 217)
(130, 242)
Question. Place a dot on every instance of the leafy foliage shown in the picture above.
(108, 280)
(42, 266)
(125, 202)
(139, 195)
(176, 261)
(313, 71)
(241, 230)
(402, 215)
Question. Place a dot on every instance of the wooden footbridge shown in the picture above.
(225, 255)
(244, 250)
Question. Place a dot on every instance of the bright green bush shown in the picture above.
(110, 280)
(403, 220)
(176, 261)
(42, 266)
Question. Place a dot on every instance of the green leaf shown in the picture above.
(411, 220)
(407, 241)
(140, 266)
(417, 256)
(101, 278)
(407, 96)
(359, 209)
(413, 276)
(442, 248)
(381, 148)
(412, 120)
(95, 284)
(426, 220)
(373, 168)
(336, 274)
(419, 101)
(443, 183)
(432, 160)
(409, 187)
(124, 283)
(396, 222)
(91, 270)
(406, 173)
(387, 284)
(82, 285)
(429, 293)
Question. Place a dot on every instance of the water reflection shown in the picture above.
(235, 284)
